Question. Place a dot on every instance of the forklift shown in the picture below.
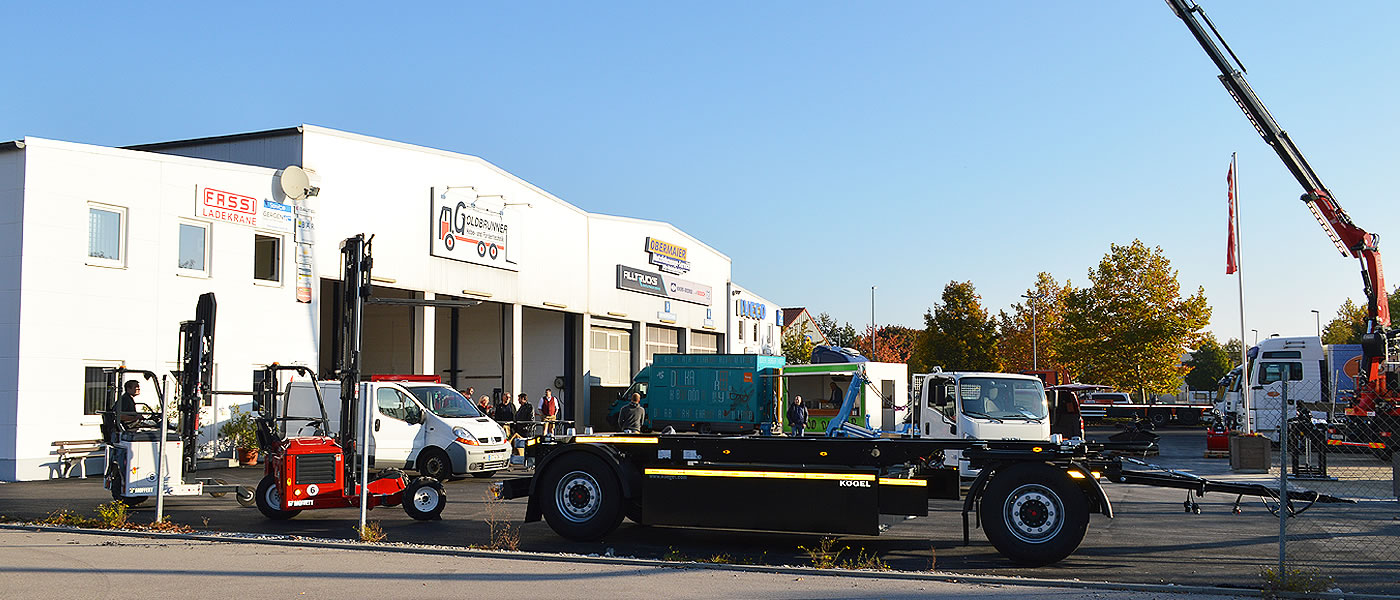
(139, 439)
(312, 463)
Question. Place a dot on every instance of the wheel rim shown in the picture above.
(434, 466)
(578, 496)
(1033, 513)
(273, 497)
(426, 498)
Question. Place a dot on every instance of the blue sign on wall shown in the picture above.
(752, 310)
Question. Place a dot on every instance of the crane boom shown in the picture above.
(1345, 234)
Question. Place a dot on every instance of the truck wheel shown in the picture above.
(269, 499)
(433, 462)
(1034, 514)
(581, 498)
(424, 499)
(1158, 417)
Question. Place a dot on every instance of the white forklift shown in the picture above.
(147, 454)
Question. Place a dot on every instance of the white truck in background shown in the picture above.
(417, 424)
(981, 406)
(1322, 377)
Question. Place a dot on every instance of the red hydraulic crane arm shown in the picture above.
(1345, 235)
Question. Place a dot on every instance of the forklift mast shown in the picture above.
(196, 374)
(356, 288)
(1345, 234)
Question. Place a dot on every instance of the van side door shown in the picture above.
(395, 426)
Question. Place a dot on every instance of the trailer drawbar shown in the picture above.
(1033, 499)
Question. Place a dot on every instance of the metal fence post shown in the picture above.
(1283, 485)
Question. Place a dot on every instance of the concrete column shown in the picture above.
(583, 375)
(514, 350)
(639, 341)
(424, 334)
(683, 340)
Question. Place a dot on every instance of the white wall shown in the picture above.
(132, 313)
(619, 240)
(770, 336)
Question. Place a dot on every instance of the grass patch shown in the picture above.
(504, 535)
(825, 555)
(372, 532)
(1293, 581)
(113, 515)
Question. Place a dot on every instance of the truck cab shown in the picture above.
(984, 406)
(419, 424)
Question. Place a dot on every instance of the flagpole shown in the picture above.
(1245, 389)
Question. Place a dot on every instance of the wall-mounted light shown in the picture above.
(378, 279)
(449, 188)
(555, 305)
(476, 293)
(617, 314)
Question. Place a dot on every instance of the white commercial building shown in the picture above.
(106, 250)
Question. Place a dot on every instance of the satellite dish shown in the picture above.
(295, 183)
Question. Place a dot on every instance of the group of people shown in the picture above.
(519, 416)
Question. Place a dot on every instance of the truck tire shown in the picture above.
(580, 497)
(1158, 417)
(424, 499)
(1189, 416)
(269, 498)
(433, 462)
(1034, 514)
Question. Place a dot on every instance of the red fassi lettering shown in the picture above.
(229, 201)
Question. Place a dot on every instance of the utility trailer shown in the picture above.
(1033, 499)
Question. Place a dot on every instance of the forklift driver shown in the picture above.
(126, 404)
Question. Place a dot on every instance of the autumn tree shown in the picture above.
(1347, 326)
(1018, 350)
(1130, 326)
(1208, 363)
(893, 344)
(958, 335)
(841, 336)
(796, 347)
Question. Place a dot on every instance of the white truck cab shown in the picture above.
(983, 406)
(420, 425)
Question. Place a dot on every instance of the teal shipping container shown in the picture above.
(722, 393)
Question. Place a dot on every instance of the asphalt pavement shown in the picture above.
(1151, 540)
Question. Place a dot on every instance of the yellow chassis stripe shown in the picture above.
(913, 482)
(1357, 444)
(761, 474)
(605, 439)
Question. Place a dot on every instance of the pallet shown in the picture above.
(1217, 454)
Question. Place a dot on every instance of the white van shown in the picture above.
(425, 426)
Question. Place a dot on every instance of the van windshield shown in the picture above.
(997, 398)
(444, 402)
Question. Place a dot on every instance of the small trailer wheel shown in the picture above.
(269, 500)
(424, 499)
(1034, 514)
(244, 496)
(219, 494)
(581, 498)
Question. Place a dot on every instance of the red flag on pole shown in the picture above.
(1231, 260)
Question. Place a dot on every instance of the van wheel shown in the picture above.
(581, 499)
(1034, 514)
(269, 500)
(433, 462)
(424, 499)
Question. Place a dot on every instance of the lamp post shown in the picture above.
(1256, 336)
(1031, 298)
(872, 322)
(1318, 317)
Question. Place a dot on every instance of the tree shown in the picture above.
(1208, 363)
(958, 334)
(893, 344)
(1015, 346)
(843, 336)
(1129, 328)
(1347, 326)
(796, 347)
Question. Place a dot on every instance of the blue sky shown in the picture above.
(825, 146)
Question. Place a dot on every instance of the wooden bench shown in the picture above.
(76, 451)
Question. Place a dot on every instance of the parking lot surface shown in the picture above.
(1150, 540)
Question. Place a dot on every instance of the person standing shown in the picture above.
(797, 417)
(505, 412)
(549, 411)
(524, 416)
(484, 405)
(631, 417)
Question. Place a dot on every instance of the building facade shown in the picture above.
(108, 248)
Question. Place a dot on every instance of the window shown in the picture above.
(755, 332)
(610, 356)
(194, 248)
(1284, 354)
(661, 340)
(267, 258)
(94, 390)
(396, 404)
(1276, 371)
(704, 343)
(106, 235)
(741, 331)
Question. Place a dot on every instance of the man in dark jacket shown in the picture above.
(797, 416)
(524, 416)
(631, 417)
(505, 412)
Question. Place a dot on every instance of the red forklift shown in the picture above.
(317, 460)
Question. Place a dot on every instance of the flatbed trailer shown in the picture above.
(1033, 499)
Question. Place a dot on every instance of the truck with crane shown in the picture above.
(1376, 407)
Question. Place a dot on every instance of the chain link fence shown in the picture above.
(1331, 448)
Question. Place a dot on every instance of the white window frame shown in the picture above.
(99, 363)
(208, 242)
(281, 259)
(122, 225)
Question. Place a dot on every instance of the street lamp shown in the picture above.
(1031, 298)
(872, 322)
(1318, 317)
(1256, 336)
